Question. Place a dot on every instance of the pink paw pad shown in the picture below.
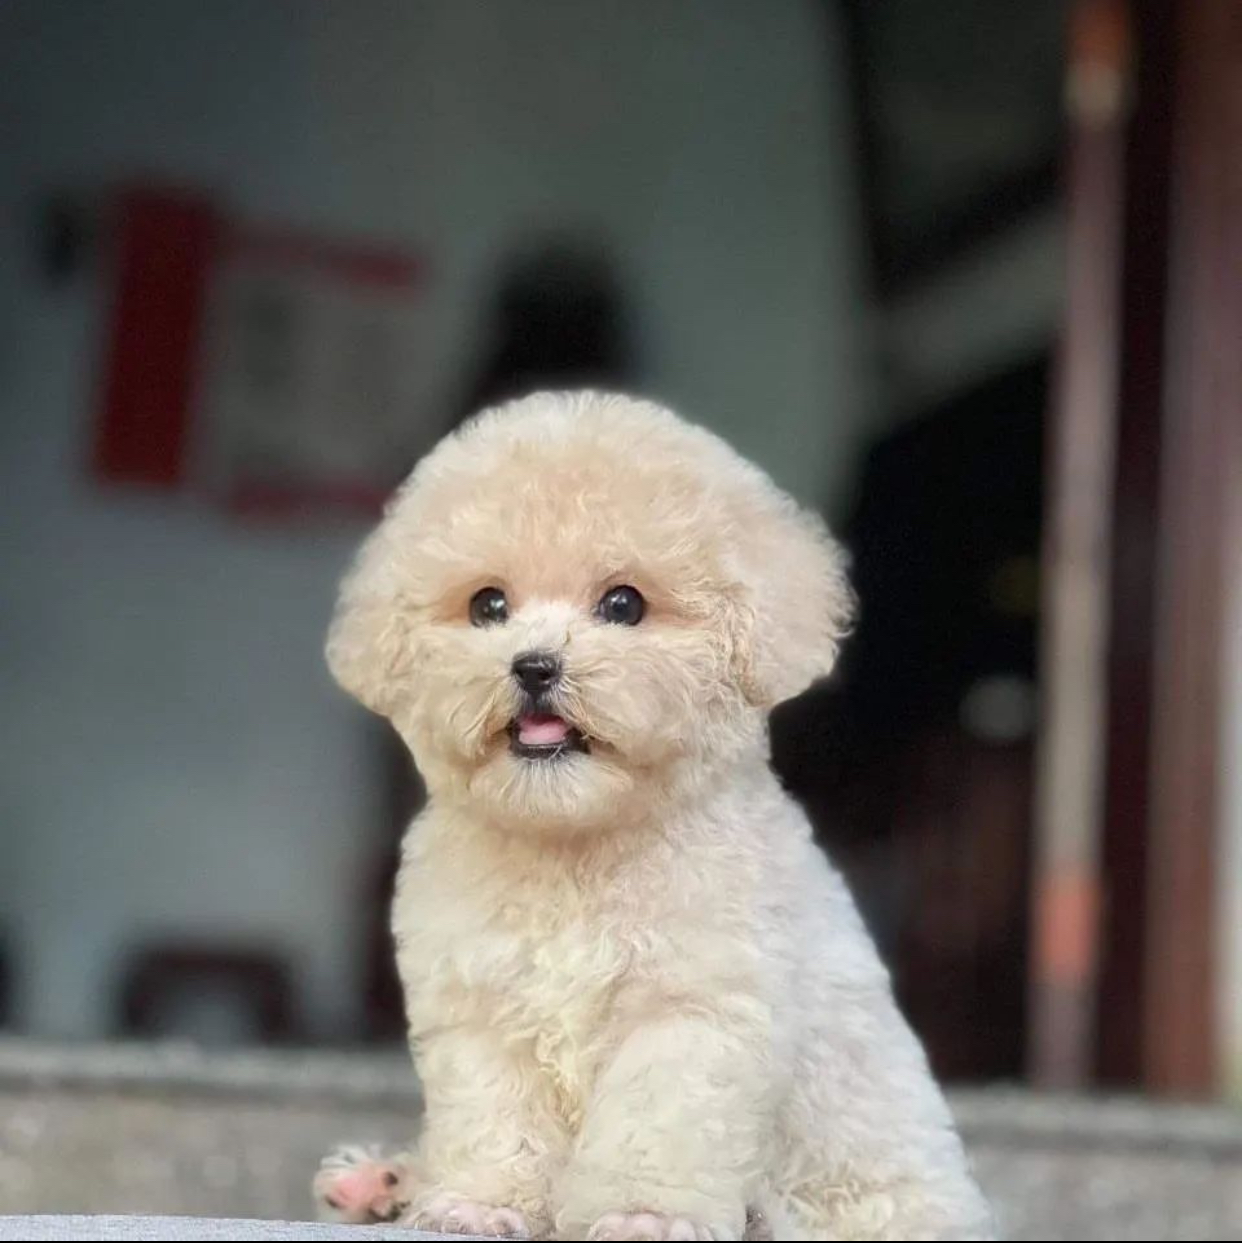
(358, 1186)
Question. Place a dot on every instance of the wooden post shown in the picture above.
(1177, 509)
(1201, 479)
(1071, 757)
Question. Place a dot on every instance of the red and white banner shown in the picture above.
(270, 369)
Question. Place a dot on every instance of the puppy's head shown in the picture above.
(579, 606)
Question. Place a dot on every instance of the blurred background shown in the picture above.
(967, 278)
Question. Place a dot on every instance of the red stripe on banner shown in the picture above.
(167, 243)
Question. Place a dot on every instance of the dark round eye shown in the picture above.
(622, 606)
(488, 607)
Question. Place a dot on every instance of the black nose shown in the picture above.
(536, 671)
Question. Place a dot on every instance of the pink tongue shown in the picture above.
(540, 730)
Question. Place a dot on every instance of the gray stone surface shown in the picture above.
(177, 1228)
(172, 1131)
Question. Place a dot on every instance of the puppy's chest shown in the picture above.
(531, 966)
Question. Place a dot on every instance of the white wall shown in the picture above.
(705, 139)
(172, 755)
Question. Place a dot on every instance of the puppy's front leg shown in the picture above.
(671, 1146)
(490, 1138)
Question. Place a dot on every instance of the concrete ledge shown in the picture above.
(209, 1229)
(174, 1069)
(171, 1130)
(1011, 1117)
(384, 1080)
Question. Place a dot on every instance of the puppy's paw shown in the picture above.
(358, 1186)
(647, 1226)
(449, 1214)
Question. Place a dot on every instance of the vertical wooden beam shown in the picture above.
(1071, 758)
(1202, 435)
(1136, 523)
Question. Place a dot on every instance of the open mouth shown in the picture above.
(543, 736)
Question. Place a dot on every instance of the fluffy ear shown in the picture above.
(796, 605)
(370, 646)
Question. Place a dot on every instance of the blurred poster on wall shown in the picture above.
(313, 375)
(273, 371)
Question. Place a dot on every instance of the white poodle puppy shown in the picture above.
(641, 1003)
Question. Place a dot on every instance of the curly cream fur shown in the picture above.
(633, 984)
